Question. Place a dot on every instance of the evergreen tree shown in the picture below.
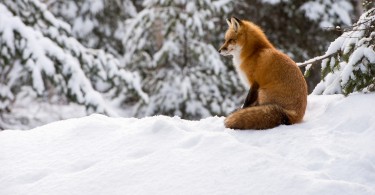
(350, 62)
(96, 24)
(37, 50)
(170, 44)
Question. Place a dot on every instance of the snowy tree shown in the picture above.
(350, 60)
(37, 50)
(170, 44)
(96, 24)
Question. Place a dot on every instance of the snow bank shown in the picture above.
(331, 152)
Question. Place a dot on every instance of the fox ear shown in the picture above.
(236, 23)
(228, 22)
(238, 20)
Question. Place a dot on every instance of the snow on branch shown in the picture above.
(350, 62)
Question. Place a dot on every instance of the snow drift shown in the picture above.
(331, 152)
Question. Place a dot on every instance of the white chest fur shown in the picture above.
(237, 62)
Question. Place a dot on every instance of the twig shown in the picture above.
(316, 59)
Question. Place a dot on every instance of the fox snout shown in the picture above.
(224, 50)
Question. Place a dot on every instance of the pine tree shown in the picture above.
(350, 65)
(96, 24)
(37, 50)
(170, 44)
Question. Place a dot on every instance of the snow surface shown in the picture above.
(330, 152)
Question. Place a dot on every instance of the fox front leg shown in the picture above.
(252, 96)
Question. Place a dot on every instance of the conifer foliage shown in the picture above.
(351, 65)
(170, 44)
(96, 23)
(37, 50)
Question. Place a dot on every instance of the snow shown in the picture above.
(313, 10)
(272, 1)
(83, 27)
(331, 86)
(342, 9)
(328, 12)
(330, 152)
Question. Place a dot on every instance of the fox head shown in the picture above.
(231, 45)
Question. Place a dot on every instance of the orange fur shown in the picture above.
(282, 90)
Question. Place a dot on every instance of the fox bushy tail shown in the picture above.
(258, 117)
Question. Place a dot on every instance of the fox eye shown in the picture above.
(231, 40)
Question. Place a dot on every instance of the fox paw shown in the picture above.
(229, 122)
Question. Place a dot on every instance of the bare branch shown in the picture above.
(316, 59)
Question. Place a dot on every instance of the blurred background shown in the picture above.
(134, 58)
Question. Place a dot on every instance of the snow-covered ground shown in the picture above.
(331, 152)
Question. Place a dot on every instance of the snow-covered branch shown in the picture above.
(352, 68)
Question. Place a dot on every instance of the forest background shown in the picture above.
(139, 58)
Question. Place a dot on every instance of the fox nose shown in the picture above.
(219, 50)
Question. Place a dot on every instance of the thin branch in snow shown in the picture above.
(316, 59)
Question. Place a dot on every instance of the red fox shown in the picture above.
(278, 90)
